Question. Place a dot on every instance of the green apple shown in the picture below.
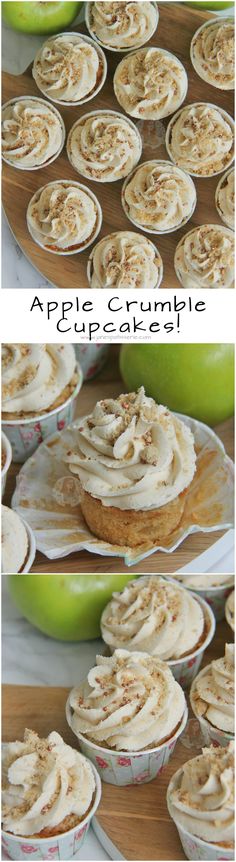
(205, 5)
(38, 17)
(196, 379)
(67, 607)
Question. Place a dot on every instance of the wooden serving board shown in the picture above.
(177, 24)
(135, 819)
(110, 385)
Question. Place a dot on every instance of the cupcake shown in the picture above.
(121, 26)
(39, 385)
(212, 53)
(212, 699)
(204, 257)
(130, 704)
(200, 139)
(50, 792)
(125, 260)
(213, 588)
(104, 146)
(64, 217)
(229, 610)
(18, 543)
(6, 459)
(33, 133)
(150, 84)
(161, 618)
(134, 460)
(200, 799)
(69, 69)
(158, 197)
(224, 198)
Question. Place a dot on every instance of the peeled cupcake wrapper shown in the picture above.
(211, 735)
(63, 846)
(47, 161)
(125, 767)
(55, 516)
(25, 435)
(107, 47)
(195, 848)
(97, 89)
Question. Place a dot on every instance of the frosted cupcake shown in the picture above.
(204, 257)
(130, 704)
(125, 260)
(224, 198)
(229, 610)
(17, 542)
(64, 217)
(121, 26)
(214, 589)
(50, 792)
(134, 460)
(150, 84)
(40, 383)
(200, 799)
(158, 197)
(212, 53)
(212, 699)
(104, 146)
(200, 139)
(33, 133)
(69, 68)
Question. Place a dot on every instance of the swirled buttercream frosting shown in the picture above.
(133, 453)
(104, 147)
(153, 615)
(122, 25)
(62, 216)
(204, 582)
(125, 260)
(225, 198)
(212, 694)
(212, 53)
(128, 702)
(32, 133)
(14, 542)
(150, 84)
(159, 196)
(48, 787)
(201, 795)
(67, 68)
(201, 139)
(204, 257)
(35, 375)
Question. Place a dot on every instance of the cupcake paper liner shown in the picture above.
(228, 615)
(226, 116)
(144, 228)
(184, 670)
(214, 596)
(84, 245)
(25, 435)
(96, 113)
(76, 103)
(63, 846)
(211, 735)
(6, 448)
(51, 495)
(91, 358)
(204, 26)
(195, 848)
(125, 767)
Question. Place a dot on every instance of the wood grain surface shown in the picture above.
(108, 384)
(176, 27)
(135, 818)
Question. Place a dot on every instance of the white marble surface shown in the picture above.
(18, 50)
(30, 658)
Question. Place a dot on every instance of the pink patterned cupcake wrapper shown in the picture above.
(195, 848)
(125, 768)
(26, 436)
(216, 599)
(64, 847)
